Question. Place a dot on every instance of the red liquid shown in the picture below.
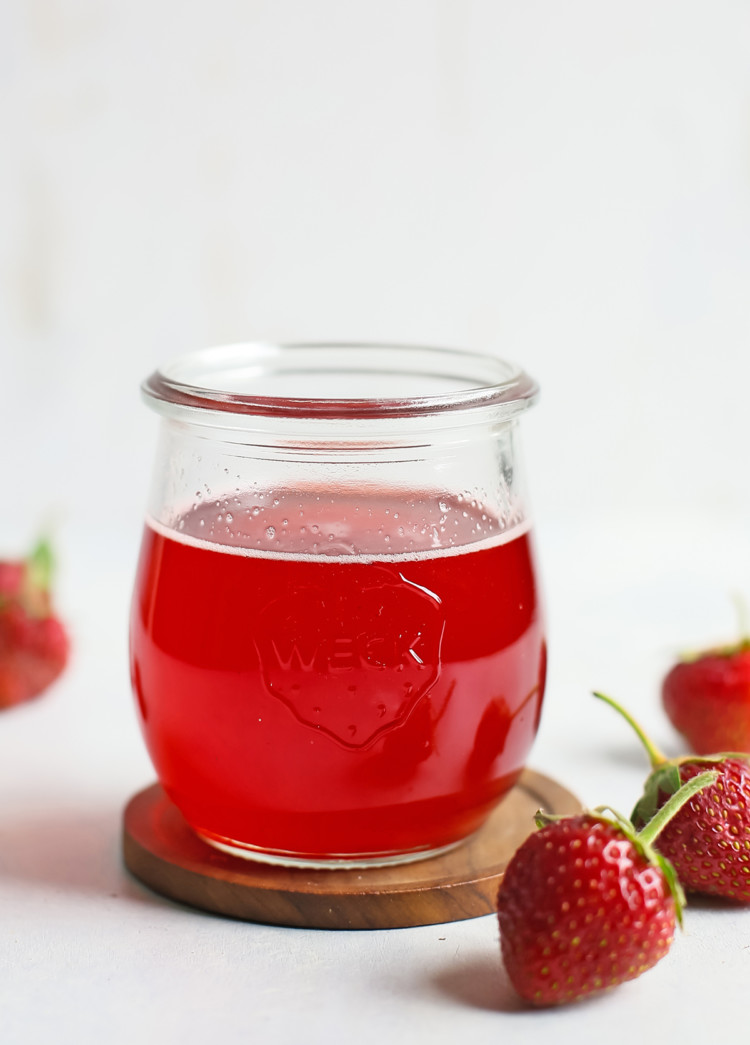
(325, 705)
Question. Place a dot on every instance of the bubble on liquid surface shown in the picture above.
(337, 528)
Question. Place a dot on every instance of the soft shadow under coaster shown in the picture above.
(162, 851)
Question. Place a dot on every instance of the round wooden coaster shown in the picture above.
(164, 853)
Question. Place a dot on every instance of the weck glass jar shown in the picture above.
(337, 644)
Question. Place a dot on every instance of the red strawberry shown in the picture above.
(708, 841)
(586, 904)
(707, 699)
(33, 643)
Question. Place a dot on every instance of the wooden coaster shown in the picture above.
(163, 852)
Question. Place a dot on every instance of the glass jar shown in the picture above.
(337, 643)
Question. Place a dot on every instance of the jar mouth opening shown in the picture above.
(336, 381)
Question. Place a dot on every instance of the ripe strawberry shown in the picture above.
(33, 643)
(707, 699)
(586, 904)
(708, 841)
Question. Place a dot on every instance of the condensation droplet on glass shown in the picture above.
(202, 522)
(230, 517)
(443, 507)
(256, 510)
(270, 532)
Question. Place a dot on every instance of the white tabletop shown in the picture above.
(87, 954)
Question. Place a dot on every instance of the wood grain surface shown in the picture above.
(164, 853)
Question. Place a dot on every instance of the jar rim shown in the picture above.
(401, 380)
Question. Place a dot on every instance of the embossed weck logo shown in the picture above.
(352, 661)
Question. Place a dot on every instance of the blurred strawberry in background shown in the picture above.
(706, 695)
(34, 645)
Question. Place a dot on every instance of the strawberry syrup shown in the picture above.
(322, 680)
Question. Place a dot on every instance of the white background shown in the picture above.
(566, 184)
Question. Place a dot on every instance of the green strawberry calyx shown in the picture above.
(729, 649)
(643, 840)
(33, 591)
(664, 778)
(40, 566)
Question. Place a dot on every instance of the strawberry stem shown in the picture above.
(654, 754)
(673, 805)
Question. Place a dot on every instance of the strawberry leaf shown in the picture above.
(673, 884)
(40, 566)
(665, 779)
